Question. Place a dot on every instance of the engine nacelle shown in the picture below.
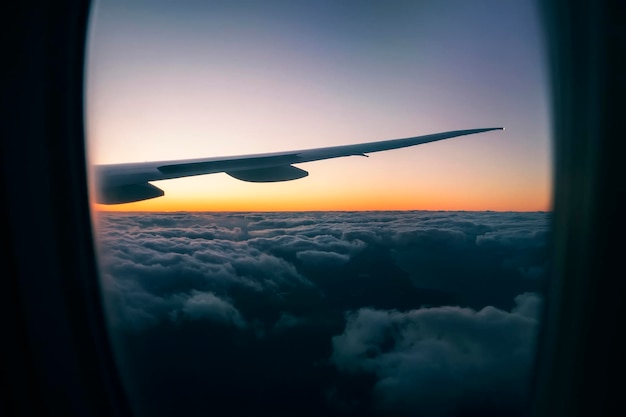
(128, 193)
(272, 174)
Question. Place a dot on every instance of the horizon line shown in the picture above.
(321, 211)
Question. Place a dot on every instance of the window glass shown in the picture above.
(407, 283)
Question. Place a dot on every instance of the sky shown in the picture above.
(324, 313)
(173, 80)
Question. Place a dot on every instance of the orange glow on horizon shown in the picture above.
(379, 201)
(339, 186)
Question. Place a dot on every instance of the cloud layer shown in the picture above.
(442, 360)
(384, 312)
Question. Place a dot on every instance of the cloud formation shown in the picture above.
(441, 360)
(207, 306)
(368, 314)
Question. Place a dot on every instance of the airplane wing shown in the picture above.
(125, 183)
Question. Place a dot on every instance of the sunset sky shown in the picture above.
(173, 80)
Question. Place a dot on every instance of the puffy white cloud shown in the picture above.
(162, 256)
(278, 285)
(433, 361)
(528, 305)
(322, 258)
(205, 305)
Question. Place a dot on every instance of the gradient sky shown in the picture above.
(169, 80)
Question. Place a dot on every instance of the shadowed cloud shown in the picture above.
(364, 313)
(440, 360)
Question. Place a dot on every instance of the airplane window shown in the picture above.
(300, 278)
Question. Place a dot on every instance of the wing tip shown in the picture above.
(489, 129)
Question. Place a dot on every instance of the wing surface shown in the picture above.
(125, 183)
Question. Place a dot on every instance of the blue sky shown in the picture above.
(169, 80)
